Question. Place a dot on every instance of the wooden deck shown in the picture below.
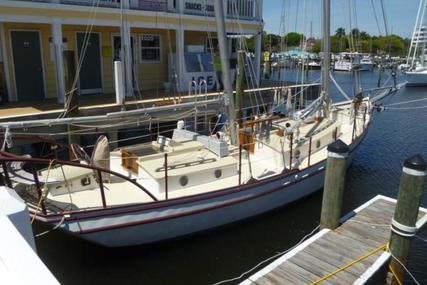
(363, 232)
(101, 103)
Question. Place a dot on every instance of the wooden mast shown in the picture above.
(228, 88)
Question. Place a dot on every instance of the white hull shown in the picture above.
(416, 78)
(343, 66)
(366, 67)
(172, 219)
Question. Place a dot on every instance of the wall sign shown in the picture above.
(195, 6)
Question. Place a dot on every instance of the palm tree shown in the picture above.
(340, 32)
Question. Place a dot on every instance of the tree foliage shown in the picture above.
(356, 40)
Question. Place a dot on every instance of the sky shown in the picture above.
(400, 15)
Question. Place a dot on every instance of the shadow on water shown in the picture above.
(229, 251)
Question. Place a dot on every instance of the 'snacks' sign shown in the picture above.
(195, 6)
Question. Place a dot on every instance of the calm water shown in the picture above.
(210, 257)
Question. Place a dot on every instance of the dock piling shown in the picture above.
(403, 226)
(72, 94)
(333, 192)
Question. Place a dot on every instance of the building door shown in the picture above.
(118, 56)
(28, 65)
(90, 72)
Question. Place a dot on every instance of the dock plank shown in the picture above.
(358, 236)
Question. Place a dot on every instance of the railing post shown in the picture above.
(240, 164)
(354, 125)
(166, 177)
(309, 150)
(336, 134)
(291, 151)
(364, 118)
(101, 187)
(6, 174)
(38, 189)
(403, 227)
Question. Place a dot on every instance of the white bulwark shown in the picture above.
(19, 263)
(167, 44)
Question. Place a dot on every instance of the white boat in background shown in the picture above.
(313, 65)
(417, 77)
(348, 61)
(416, 71)
(366, 64)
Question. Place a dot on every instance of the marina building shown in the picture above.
(167, 41)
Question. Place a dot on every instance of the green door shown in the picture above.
(90, 72)
(27, 62)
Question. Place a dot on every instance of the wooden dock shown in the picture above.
(351, 254)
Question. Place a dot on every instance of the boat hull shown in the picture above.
(366, 67)
(165, 220)
(416, 79)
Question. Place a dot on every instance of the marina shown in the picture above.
(178, 142)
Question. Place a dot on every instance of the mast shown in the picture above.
(228, 92)
(326, 50)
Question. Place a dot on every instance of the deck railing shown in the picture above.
(34, 163)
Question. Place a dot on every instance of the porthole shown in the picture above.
(218, 173)
(183, 180)
(318, 144)
(297, 154)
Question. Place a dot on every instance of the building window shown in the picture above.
(151, 48)
(211, 45)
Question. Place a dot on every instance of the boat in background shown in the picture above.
(347, 61)
(366, 64)
(416, 72)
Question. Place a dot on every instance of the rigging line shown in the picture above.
(415, 30)
(376, 17)
(339, 87)
(250, 65)
(420, 238)
(406, 102)
(85, 43)
(408, 108)
(404, 267)
(386, 25)
(417, 42)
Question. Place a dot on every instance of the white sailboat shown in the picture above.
(416, 71)
(189, 182)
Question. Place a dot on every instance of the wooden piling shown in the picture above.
(72, 94)
(333, 192)
(405, 217)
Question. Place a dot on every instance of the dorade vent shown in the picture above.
(318, 144)
(186, 164)
(218, 173)
(183, 180)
